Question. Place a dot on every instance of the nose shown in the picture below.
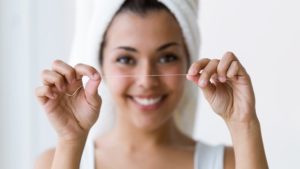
(146, 80)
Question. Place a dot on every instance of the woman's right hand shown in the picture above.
(71, 116)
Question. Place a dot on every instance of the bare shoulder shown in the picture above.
(229, 160)
(45, 159)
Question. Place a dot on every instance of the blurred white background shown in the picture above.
(264, 34)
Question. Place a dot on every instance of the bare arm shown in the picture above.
(44, 161)
(66, 155)
(248, 145)
(227, 87)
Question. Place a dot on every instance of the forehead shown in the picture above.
(154, 27)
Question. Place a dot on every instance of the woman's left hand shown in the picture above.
(227, 87)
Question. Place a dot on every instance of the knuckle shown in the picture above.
(57, 62)
(78, 65)
(206, 59)
(90, 69)
(193, 67)
(230, 55)
(44, 72)
(59, 80)
(204, 74)
(70, 73)
(215, 61)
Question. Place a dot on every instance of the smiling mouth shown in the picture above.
(148, 103)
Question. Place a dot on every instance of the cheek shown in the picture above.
(116, 84)
(118, 88)
(176, 84)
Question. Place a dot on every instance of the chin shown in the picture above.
(150, 123)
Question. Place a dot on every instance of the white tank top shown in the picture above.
(206, 156)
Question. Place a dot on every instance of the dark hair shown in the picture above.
(141, 7)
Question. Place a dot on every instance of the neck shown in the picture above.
(132, 137)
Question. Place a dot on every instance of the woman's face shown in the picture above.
(138, 45)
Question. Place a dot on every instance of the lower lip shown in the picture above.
(149, 107)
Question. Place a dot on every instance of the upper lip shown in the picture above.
(150, 96)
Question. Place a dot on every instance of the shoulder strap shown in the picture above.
(209, 157)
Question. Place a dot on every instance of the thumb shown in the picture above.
(209, 87)
(91, 90)
(208, 90)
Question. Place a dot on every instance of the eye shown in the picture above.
(168, 58)
(126, 60)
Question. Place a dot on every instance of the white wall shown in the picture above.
(264, 34)
(32, 34)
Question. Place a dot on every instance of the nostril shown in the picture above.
(148, 81)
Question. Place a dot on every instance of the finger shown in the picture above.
(197, 66)
(195, 69)
(91, 89)
(233, 70)
(65, 70)
(86, 70)
(214, 79)
(208, 71)
(224, 65)
(207, 74)
(44, 93)
(53, 78)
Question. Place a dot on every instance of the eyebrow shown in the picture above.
(163, 47)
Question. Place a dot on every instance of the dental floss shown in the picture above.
(71, 95)
(127, 76)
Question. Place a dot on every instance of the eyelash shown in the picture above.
(128, 60)
(169, 58)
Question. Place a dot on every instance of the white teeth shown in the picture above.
(147, 102)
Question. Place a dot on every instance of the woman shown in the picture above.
(144, 52)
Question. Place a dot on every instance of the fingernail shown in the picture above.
(192, 72)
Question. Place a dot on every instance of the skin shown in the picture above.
(147, 137)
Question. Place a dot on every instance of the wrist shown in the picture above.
(249, 124)
(244, 119)
(244, 132)
(72, 141)
(68, 153)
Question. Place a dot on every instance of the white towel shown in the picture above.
(92, 20)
